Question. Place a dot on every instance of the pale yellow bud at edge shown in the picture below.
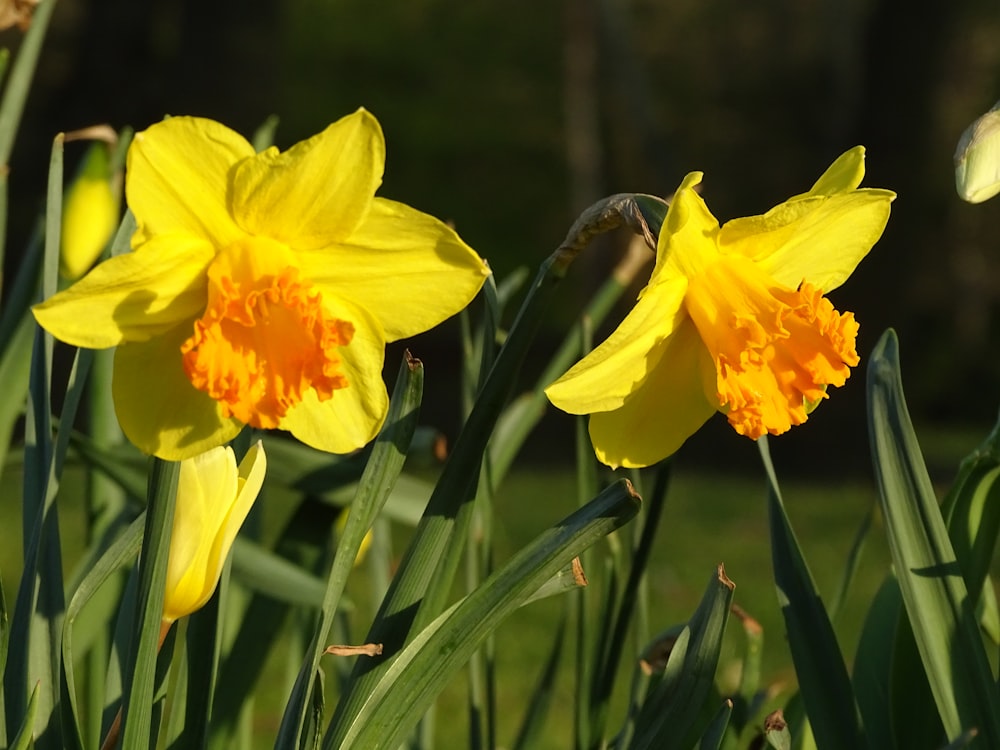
(977, 159)
(90, 214)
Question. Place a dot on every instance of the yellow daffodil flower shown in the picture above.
(213, 499)
(733, 320)
(262, 288)
(90, 213)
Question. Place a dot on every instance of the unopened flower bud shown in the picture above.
(977, 159)
(214, 496)
(90, 213)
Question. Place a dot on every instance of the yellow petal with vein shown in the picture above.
(177, 179)
(664, 411)
(603, 379)
(828, 243)
(131, 297)
(318, 191)
(410, 270)
(158, 408)
(687, 240)
(352, 417)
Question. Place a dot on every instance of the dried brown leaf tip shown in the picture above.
(775, 722)
(16, 13)
(368, 649)
(723, 578)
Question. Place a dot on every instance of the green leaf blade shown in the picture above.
(931, 582)
(823, 680)
(424, 666)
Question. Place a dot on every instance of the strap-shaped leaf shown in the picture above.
(972, 512)
(823, 681)
(425, 664)
(713, 736)
(873, 663)
(121, 553)
(672, 716)
(934, 592)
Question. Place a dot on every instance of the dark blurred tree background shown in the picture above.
(508, 118)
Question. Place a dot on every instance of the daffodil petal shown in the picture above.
(133, 296)
(824, 245)
(687, 237)
(759, 236)
(664, 411)
(250, 479)
(844, 175)
(158, 408)
(213, 499)
(408, 269)
(252, 469)
(317, 192)
(602, 380)
(177, 179)
(206, 488)
(352, 417)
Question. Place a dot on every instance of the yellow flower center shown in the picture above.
(775, 349)
(265, 338)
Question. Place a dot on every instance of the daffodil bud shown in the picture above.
(90, 213)
(213, 499)
(977, 159)
(366, 541)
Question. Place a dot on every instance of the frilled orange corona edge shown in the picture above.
(775, 349)
(265, 339)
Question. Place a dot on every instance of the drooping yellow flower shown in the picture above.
(213, 499)
(262, 288)
(90, 213)
(733, 320)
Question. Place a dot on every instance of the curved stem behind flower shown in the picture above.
(632, 210)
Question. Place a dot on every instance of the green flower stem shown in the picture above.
(586, 646)
(14, 98)
(19, 85)
(457, 483)
(139, 674)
